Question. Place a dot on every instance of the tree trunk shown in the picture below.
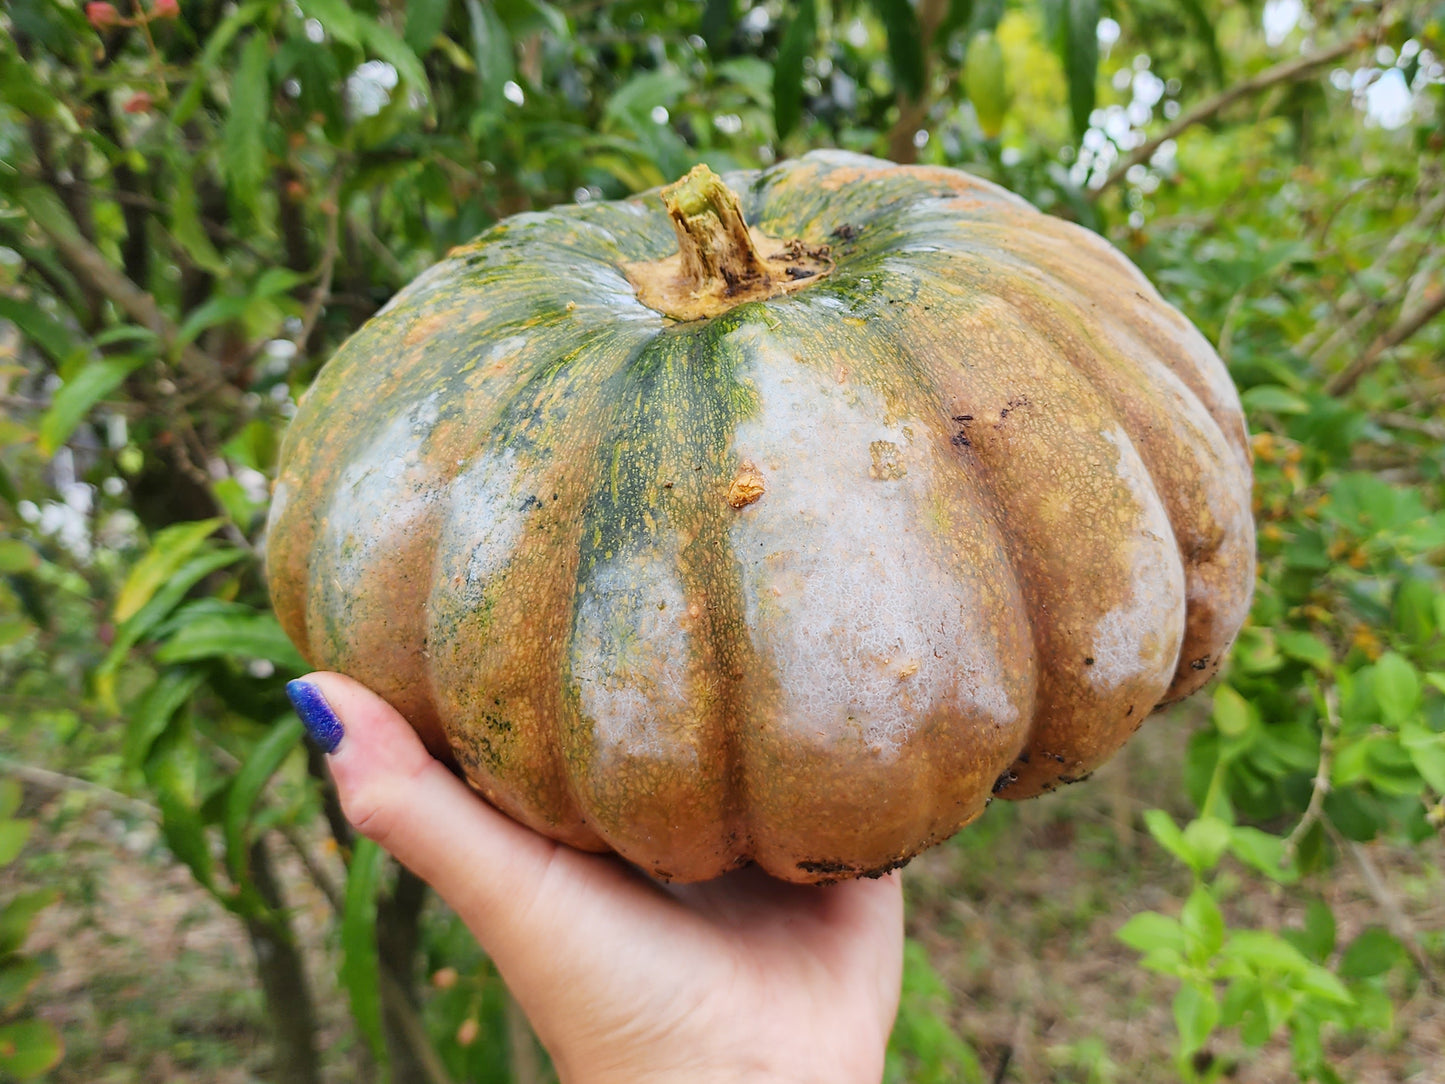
(283, 980)
(398, 938)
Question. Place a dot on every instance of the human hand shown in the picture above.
(741, 978)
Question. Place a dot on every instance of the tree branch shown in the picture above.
(58, 781)
(89, 265)
(913, 111)
(1396, 920)
(1289, 71)
(1425, 222)
(1408, 323)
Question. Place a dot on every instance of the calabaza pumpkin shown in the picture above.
(791, 546)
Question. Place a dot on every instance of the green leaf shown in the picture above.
(1265, 951)
(1206, 839)
(1202, 23)
(1273, 399)
(1167, 834)
(19, 915)
(186, 223)
(29, 1048)
(1080, 54)
(161, 603)
(905, 44)
(1317, 939)
(18, 975)
(1306, 648)
(1427, 752)
(1149, 931)
(796, 45)
(636, 97)
(246, 788)
(492, 51)
(1262, 851)
(154, 712)
(205, 64)
(170, 549)
(17, 556)
(255, 636)
(1203, 924)
(1372, 953)
(337, 18)
(243, 138)
(397, 53)
(77, 395)
(11, 795)
(1324, 986)
(985, 82)
(13, 837)
(424, 21)
(1396, 686)
(1196, 1012)
(52, 337)
(8, 491)
(185, 835)
(716, 26)
(1231, 712)
(360, 961)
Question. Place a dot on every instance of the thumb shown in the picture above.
(394, 792)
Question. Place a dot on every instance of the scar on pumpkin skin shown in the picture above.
(747, 486)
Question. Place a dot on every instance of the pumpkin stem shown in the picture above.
(720, 263)
(718, 254)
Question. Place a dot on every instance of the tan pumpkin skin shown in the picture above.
(1004, 513)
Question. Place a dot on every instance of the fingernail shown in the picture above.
(320, 721)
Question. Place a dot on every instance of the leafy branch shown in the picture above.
(1289, 71)
(1406, 326)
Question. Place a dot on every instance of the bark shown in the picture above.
(398, 929)
(283, 980)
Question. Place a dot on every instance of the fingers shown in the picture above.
(394, 792)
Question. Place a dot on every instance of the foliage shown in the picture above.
(29, 1047)
(199, 201)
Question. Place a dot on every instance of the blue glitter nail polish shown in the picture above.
(320, 721)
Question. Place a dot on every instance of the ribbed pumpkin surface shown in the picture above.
(1004, 513)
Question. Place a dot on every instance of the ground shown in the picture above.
(150, 980)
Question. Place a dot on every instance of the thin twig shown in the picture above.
(1289, 71)
(412, 1029)
(1408, 323)
(1425, 222)
(322, 293)
(1403, 286)
(329, 888)
(1321, 789)
(1411, 424)
(1396, 921)
(400, 1006)
(58, 781)
(88, 264)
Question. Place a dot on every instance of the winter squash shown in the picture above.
(783, 527)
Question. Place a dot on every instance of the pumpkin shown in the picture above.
(785, 520)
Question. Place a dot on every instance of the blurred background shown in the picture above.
(199, 200)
